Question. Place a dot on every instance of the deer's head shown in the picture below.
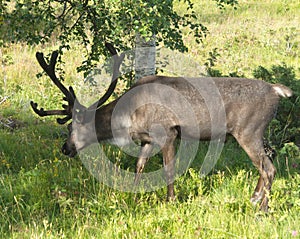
(82, 117)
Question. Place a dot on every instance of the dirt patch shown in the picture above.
(10, 123)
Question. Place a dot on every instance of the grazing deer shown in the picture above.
(248, 106)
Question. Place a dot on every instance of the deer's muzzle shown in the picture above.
(69, 151)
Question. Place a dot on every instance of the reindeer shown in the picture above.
(244, 109)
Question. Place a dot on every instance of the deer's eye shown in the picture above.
(79, 117)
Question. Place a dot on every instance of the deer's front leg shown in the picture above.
(258, 192)
(168, 151)
(145, 152)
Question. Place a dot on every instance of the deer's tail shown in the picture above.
(282, 90)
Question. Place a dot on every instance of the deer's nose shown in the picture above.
(65, 149)
(69, 151)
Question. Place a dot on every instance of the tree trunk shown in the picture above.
(144, 57)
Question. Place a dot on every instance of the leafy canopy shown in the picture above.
(91, 23)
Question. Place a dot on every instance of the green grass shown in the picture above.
(257, 33)
(44, 194)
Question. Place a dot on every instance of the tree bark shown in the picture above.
(144, 57)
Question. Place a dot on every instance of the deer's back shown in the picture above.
(189, 103)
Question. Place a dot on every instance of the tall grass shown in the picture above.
(47, 195)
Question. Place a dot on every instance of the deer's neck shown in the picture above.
(113, 124)
(103, 122)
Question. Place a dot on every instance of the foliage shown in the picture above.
(211, 62)
(92, 22)
(223, 3)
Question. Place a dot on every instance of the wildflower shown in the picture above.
(294, 165)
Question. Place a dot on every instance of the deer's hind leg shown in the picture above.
(254, 147)
(257, 195)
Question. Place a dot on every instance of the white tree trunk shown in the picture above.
(144, 57)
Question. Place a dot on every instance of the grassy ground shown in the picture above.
(44, 194)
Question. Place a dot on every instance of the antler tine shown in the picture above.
(41, 112)
(50, 70)
(111, 48)
(69, 94)
(117, 59)
(117, 63)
